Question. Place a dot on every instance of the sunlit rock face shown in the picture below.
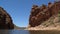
(5, 20)
(40, 14)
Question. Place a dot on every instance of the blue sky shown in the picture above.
(20, 9)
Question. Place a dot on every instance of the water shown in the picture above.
(29, 32)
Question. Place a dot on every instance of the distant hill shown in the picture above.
(20, 28)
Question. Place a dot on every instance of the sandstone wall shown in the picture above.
(40, 14)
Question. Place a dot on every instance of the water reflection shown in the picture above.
(19, 32)
(4, 32)
(29, 32)
(45, 32)
(14, 32)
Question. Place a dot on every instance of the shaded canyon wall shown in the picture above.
(5, 20)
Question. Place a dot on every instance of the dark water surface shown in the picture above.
(29, 32)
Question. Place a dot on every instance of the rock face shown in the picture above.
(5, 20)
(41, 14)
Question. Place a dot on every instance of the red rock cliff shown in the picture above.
(40, 14)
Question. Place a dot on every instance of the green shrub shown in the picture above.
(59, 13)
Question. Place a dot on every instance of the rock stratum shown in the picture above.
(5, 20)
(45, 17)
